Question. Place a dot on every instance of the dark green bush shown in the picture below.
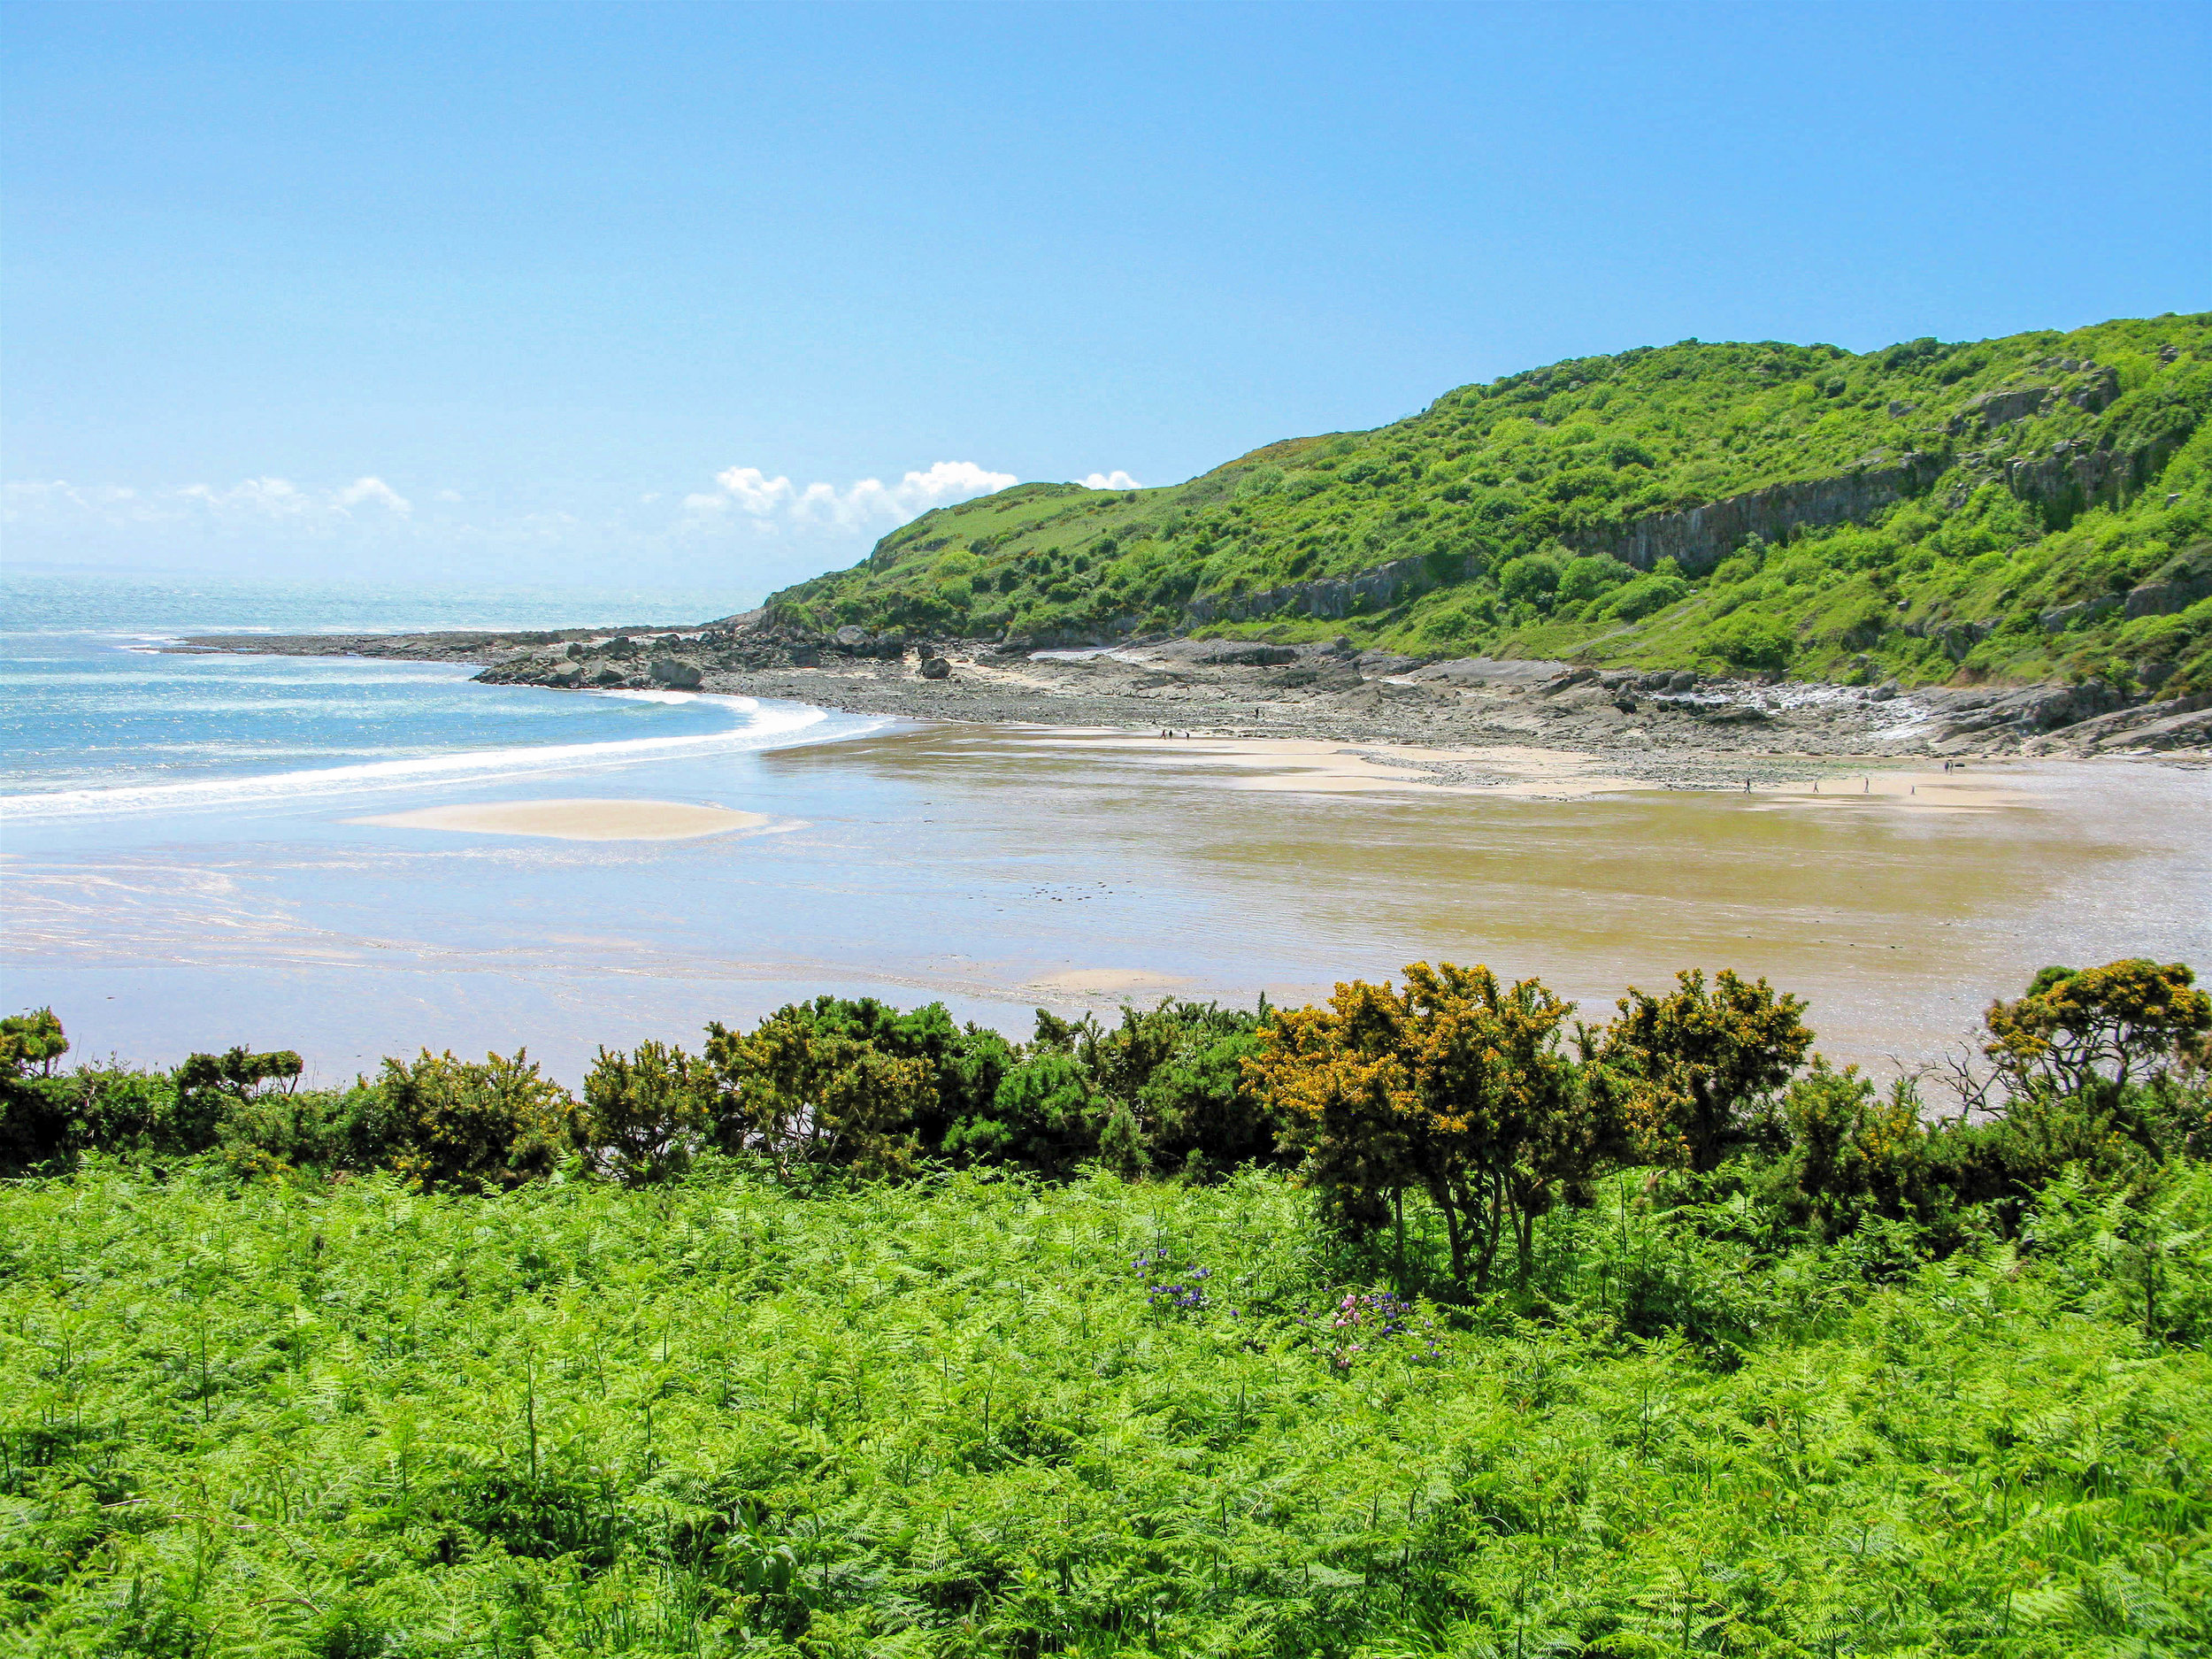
(478, 1125)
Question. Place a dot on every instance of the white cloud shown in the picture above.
(26, 498)
(271, 497)
(375, 489)
(250, 501)
(1115, 479)
(869, 503)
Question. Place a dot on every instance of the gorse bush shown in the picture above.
(442, 1122)
(861, 1332)
(1457, 1087)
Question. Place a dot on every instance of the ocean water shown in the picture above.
(169, 605)
(90, 706)
(186, 863)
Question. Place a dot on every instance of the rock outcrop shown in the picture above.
(2174, 588)
(675, 674)
(2175, 723)
(2058, 618)
(2178, 584)
(1699, 538)
(2076, 473)
(1332, 597)
(1696, 538)
(1981, 718)
(2092, 391)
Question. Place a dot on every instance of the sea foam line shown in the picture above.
(759, 728)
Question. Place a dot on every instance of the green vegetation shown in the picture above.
(1938, 504)
(862, 1333)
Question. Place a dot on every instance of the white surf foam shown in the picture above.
(753, 727)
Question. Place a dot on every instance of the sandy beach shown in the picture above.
(1313, 766)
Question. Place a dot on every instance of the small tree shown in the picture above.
(1044, 1114)
(2079, 1032)
(1340, 1080)
(34, 1126)
(965, 1064)
(1455, 1085)
(211, 1088)
(1682, 1070)
(1173, 1079)
(30, 1043)
(1856, 1149)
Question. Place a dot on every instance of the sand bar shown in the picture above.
(1106, 981)
(585, 820)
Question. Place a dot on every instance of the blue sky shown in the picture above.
(716, 293)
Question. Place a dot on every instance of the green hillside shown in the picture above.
(2034, 507)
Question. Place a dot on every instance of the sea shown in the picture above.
(188, 860)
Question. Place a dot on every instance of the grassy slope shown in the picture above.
(1545, 462)
(944, 1419)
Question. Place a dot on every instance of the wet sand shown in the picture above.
(1114, 982)
(584, 820)
(1003, 867)
(1309, 766)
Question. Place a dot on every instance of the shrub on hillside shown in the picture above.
(1529, 580)
(1751, 643)
(1649, 594)
(1588, 577)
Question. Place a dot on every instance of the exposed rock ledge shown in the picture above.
(1674, 727)
(1699, 538)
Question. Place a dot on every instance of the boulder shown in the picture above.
(1379, 663)
(676, 674)
(2164, 598)
(1487, 670)
(1242, 654)
(2000, 408)
(2163, 725)
(2183, 731)
(1324, 675)
(935, 668)
(2054, 620)
(2021, 712)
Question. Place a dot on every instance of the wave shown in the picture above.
(754, 727)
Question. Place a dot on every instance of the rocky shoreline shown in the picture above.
(1679, 729)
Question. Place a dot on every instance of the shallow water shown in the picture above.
(166, 903)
